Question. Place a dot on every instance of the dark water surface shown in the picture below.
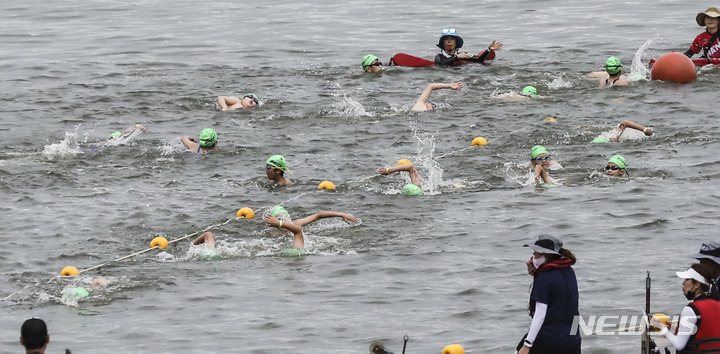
(443, 268)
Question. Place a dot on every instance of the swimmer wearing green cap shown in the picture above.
(279, 217)
(612, 73)
(209, 241)
(424, 104)
(540, 160)
(618, 132)
(126, 132)
(413, 188)
(616, 166)
(208, 141)
(227, 103)
(529, 91)
(371, 64)
(275, 168)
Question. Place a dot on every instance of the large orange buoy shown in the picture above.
(674, 67)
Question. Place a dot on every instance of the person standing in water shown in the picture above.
(708, 42)
(450, 42)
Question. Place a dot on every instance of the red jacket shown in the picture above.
(708, 333)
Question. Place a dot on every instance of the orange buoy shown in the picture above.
(326, 185)
(69, 271)
(675, 67)
(246, 213)
(159, 241)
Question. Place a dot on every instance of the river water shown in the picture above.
(443, 268)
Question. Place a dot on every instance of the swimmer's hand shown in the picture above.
(495, 45)
(648, 131)
(456, 86)
(383, 170)
(272, 221)
(349, 218)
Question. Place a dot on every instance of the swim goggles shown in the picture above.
(541, 159)
(448, 31)
(253, 98)
(614, 168)
(377, 63)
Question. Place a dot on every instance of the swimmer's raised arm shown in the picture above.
(630, 124)
(410, 168)
(326, 214)
(295, 228)
(422, 101)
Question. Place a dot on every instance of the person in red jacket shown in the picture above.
(707, 41)
(699, 327)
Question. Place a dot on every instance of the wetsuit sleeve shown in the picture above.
(537, 321)
(686, 328)
(689, 53)
(442, 61)
(481, 58)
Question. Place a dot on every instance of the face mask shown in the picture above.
(537, 262)
(690, 295)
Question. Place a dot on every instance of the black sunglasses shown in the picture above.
(376, 64)
(614, 168)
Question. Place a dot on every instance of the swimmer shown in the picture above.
(616, 167)
(227, 103)
(540, 160)
(413, 188)
(118, 135)
(208, 141)
(279, 217)
(209, 241)
(450, 42)
(424, 104)
(275, 168)
(371, 64)
(611, 75)
(618, 132)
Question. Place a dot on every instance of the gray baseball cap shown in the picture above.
(709, 250)
(546, 244)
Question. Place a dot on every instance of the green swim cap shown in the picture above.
(411, 189)
(537, 150)
(81, 292)
(293, 252)
(618, 160)
(277, 210)
(601, 140)
(115, 135)
(209, 254)
(613, 65)
(529, 91)
(277, 161)
(208, 137)
(367, 60)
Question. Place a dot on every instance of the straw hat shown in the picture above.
(711, 11)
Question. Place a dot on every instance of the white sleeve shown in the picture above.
(537, 321)
(686, 328)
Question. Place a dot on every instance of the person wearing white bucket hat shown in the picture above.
(707, 41)
(698, 330)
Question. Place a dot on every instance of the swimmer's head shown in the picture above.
(450, 33)
(601, 140)
(280, 213)
(115, 135)
(208, 138)
(615, 166)
(430, 105)
(537, 150)
(411, 189)
(371, 63)
(252, 100)
(613, 65)
(529, 91)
